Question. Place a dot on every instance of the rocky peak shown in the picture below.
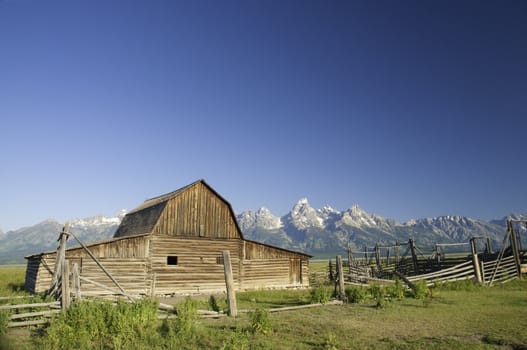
(303, 216)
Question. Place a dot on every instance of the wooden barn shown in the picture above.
(173, 244)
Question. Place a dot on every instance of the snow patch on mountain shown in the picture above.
(262, 218)
(303, 216)
(98, 220)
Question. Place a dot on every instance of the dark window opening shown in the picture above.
(219, 260)
(171, 260)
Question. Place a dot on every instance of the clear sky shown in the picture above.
(410, 109)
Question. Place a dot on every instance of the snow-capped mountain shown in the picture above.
(327, 229)
(99, 220)
(457, 228)
(262, 218)
(14, 245)
(316, 231)
(303, 216)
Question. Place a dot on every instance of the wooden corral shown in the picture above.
(484, 267)
(173, 244)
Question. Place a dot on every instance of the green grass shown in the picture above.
(456, 316)
(12, 279)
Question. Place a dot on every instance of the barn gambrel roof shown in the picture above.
(143, 218)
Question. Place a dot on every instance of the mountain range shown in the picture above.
(320, 232)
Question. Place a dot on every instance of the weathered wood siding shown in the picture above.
(199, 264)
(125, 258)
(130, 273)
(39, 272)
(125, 247)
(197, 212)
(270, 267)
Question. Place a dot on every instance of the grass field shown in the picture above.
(458, 317)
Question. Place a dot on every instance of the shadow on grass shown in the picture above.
(16, 287)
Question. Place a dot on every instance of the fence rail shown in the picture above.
(499, 271)
(31, 318)
(458, 272)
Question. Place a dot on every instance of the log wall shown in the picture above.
(271, 267)
(199, 264)
(141, 263)
(39, 272)
(126, 247)
(130, 273)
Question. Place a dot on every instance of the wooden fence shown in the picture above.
(32, 314)
(485, 268)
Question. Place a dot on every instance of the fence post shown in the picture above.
(76, 282)
(229, 282)
(488, 248)
(59, 260)
(377, 258)
(475, 260)
(153, 285)
(514, 246)
(414, 256)
(482, 267)
(342, 292)
(65, 284)
(350, 258)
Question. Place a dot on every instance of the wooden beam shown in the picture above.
(475, 260)
(65, 285)
(229, 282)
(342, 291)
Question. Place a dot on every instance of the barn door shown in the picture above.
(295, 271)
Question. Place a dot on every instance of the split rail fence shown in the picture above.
(412, 265)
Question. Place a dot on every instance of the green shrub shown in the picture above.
(320, 295)
(420, 290)
(260, 322)
(330, 341)
(4, 320)
(100, 324)
(237, 340)
(218, 305)
(379, 295)
(357, 295)
(396, 290)
(183, 328)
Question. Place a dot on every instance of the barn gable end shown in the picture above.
(195, 210)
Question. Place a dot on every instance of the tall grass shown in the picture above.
(462, 316)
(12, 280)
(101, 324)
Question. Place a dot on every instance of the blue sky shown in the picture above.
(408, 108)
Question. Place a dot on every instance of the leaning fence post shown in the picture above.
(342, 292)
(229, 282)
(475, 260)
